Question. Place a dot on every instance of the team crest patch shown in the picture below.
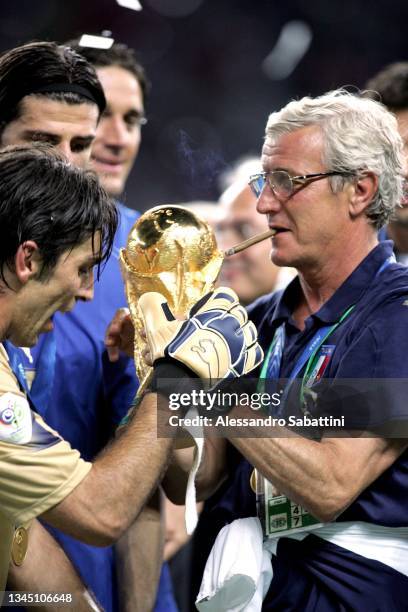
(15, 419)
(321, 362)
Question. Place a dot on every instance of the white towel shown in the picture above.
(238, 571)
(191, 516)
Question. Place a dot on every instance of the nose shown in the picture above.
(65, 148)
(115, 132)
(86, 290)
(267, 202)
(86, 294)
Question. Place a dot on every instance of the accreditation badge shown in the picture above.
(19, 545)
(279, 516)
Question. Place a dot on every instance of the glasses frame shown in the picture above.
(301, 180)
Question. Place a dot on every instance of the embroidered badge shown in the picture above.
(15, 419)
(321, 362)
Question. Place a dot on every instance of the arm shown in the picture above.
(211, 473)
(110, 497)
(34, 576)
(324, 477)
(175, 532)
(139, 558)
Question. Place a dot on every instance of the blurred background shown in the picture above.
(218, 68)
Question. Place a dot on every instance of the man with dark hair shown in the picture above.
(390, 86)
(134, 564)
(119, 132)
(56, 224)
(70, 367)
(49, 94)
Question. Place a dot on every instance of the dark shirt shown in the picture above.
(371, 344)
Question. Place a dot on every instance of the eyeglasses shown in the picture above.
(283, 185)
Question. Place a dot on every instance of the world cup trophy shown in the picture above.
(172, 251)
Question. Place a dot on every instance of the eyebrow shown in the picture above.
(135, 113)
(41, 136)
(54, 139)
(93, 260)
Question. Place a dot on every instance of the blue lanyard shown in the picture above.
(272, 364)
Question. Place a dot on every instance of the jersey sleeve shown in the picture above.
(371, 385)
(37, 468)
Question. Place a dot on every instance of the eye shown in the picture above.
(135, 120)
(78, 147)
(85, 272)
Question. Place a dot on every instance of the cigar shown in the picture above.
(249, 242)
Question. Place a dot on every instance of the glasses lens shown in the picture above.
(257, 182)
(280, 184)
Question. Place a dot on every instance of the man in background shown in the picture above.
(132, 568)
(390, 86)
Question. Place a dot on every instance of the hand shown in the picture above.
(216, 342)
(120, 335)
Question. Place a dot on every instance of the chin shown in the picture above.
(26, 341)
(112, 186)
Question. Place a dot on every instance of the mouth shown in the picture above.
(278, 230)
(107, 165)
(230, 272)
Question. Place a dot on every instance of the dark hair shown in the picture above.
(36, 66)
(55, 204)
(118, 55)
(392, 85)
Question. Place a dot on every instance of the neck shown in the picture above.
(5, 317)
(321, 280)
(398, 232)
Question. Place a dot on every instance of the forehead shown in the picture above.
(120, 86)
(295, 151)
(57, 117)
(87, 251)
(239, 199)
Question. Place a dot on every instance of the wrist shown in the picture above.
(172, 377)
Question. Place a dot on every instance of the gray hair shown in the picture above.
(359, 135)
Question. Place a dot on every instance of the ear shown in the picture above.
(27, 261)
(362, 192)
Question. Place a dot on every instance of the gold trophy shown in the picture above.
(172, 251)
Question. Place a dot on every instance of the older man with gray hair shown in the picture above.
(333, 507)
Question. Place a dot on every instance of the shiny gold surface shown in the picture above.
(172, 251)
(19, 546)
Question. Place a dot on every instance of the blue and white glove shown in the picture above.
(215, 343)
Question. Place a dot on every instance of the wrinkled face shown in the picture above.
(402, 118)
(119, 131)
(70, 280)
(313, 223)
(68, 127)
(249, 273)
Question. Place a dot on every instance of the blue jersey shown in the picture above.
(371, 343)
(83, 396)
